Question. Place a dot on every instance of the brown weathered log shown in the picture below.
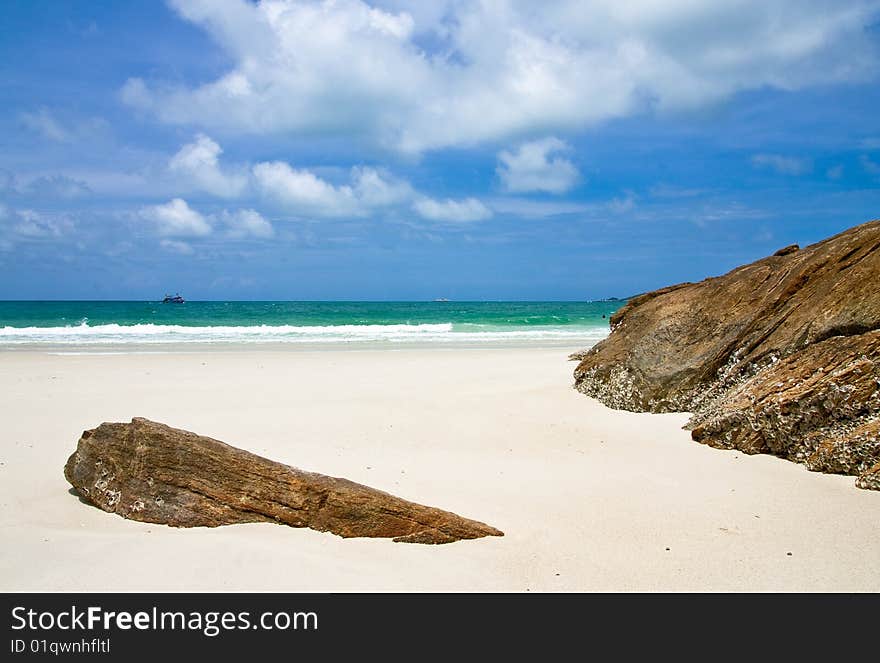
(151, 472)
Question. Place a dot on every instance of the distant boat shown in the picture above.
(441, 299)
(177, 299)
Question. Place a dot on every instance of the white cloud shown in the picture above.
(531, 168)
(31, 224)
(301, 191)
(246, 223)
(295, 191)
(43, 123)
(177, 219)
(454, 211)
(499, 69)
(134, 92)
(782, 164)
(376, 188)
(175, 246)
(199, 161)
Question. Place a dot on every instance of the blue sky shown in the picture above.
(404, 150)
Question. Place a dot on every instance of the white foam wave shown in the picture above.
(253, 330)
(150, 334)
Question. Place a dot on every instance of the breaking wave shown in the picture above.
(150, 334)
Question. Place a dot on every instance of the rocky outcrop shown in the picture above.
(818, 407)
(151, 472)
(781, 356)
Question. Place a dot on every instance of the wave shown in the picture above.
(84, 329)
(85, 334)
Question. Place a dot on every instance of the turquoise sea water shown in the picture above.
(129, 323)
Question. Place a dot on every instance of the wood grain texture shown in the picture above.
(150, 472)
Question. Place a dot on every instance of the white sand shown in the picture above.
(590, 498)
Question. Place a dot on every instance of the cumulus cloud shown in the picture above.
(499, 69)
(199, 161)
(177, 219)
(453, 211)
(246, 223)
(377, 188)
(42, 122)
(302, 191)
(782, 164)
(531, 168)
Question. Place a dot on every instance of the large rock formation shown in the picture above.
(154, 473)
(781, 356)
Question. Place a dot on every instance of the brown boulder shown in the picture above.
(779, 356)
(818, 407)
(153, 473)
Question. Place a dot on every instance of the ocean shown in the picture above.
(130, 324)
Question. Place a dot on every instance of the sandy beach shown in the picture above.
(590, 499)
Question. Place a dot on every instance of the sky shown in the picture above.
(404, 150)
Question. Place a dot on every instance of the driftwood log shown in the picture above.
(151, 472)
